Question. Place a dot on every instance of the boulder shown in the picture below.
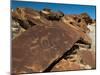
(39, 46)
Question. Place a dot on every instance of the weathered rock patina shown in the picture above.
(47, 36)
(39, 46)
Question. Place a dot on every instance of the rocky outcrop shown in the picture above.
(16, 29)
(87, 18)
(51, 15)
(46, 40)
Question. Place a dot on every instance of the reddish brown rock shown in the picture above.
(77, 21)
(84, 37)
(39, 46)
(48, 35)
(28, 17)
(88, 58)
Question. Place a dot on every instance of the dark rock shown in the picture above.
(86, 18)
(40, 45)
(51, 15)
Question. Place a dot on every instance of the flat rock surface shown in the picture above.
(35, 49)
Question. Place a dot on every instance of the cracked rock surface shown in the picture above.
(49, 41)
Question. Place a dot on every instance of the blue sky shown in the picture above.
(66, 8)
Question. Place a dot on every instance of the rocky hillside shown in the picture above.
(46, 41)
